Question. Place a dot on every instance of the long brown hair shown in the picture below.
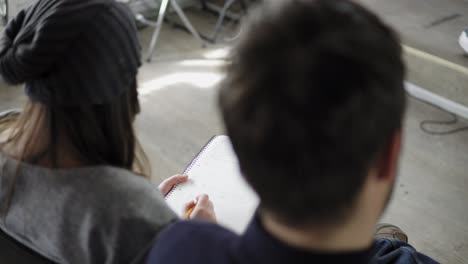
(96, 135)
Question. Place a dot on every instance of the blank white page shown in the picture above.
(215, 171)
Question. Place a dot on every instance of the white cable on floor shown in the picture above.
(432, 98)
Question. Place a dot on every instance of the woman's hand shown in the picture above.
(166, 186)
(202, 209)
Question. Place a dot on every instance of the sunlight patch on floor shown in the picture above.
(200, 80)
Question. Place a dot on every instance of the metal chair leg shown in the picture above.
(186, 21)
(220, 21)
(157, 30)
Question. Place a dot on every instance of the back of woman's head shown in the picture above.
(79, 61)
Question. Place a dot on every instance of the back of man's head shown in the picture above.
(313, 95)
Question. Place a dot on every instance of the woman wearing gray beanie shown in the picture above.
(73, 178)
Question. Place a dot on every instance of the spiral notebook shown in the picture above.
(215, 171)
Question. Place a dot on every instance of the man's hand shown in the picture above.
(166, 186)
(202, 209)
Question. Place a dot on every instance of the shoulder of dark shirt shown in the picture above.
(187, 241)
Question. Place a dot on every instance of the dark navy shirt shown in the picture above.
(200, 242)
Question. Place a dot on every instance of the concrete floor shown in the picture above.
(429, 25)
(178, 93)
(433, 27)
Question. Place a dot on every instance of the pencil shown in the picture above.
(189, 212)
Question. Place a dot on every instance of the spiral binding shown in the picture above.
(194, 161)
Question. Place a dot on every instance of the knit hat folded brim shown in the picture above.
(71, 52)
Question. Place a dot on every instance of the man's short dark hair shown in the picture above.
(314, 93)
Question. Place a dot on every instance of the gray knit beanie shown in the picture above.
(71, 52)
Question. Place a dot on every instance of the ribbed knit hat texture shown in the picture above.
(71, 52)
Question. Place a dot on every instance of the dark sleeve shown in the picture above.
(187, 241)
(390, 251)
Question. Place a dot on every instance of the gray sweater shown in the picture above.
(87, 215)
